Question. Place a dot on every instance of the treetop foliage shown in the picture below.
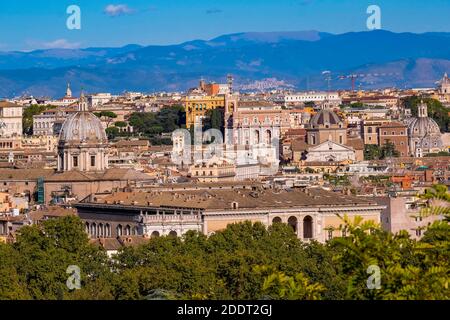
(244, 261)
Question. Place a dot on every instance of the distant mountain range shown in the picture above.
(295, 58)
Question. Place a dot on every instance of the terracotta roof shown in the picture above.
(129, 143)
(110, 174)
(9, 218)
(51, 212)
(299, 145)
(224, 199)
(393, 124)
(110, 244)
(296, 132)
(355, 143)
(7, 104)
(260, 103)
(29, 174)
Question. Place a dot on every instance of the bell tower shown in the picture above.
(422, 110)
(68, 91)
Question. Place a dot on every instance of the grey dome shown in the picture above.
(422, 126)
(325, 117)
(83, 127)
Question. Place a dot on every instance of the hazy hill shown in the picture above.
(298, 58)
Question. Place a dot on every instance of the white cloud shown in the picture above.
(56, 44)
(61, 44)
(118, 10)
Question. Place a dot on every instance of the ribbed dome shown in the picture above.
(83, 127)
(420, 127)
(325, 117)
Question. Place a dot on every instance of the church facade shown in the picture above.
(424, 134)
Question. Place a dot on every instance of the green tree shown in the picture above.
(152, 124)
(436, 110)
(120, 124)
(44, 252)
(408, 269)
(112, 132)
(280, 286)
(12, 286)
(27, 117)
(106, 116)
(372, 152)
(388, 150)
(215, 119)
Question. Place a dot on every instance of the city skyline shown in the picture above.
(112, 24)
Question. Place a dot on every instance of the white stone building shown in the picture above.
(10, 119)
(330, 151)
(332, 98)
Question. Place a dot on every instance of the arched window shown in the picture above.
(173, 234)
(268, 137)
(292, 221)
(107, 230)
(93, 230)
(100, 230)
(87, 227)
(276, 220)
(307, 227)
(256, 137)
(155, 234)
(134, 232)
(119, 230)
(128, 230)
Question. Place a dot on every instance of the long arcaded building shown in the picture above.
(313, 213)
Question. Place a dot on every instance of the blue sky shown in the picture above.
(32, 24)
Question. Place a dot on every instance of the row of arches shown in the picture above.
(156, 234)
(105, 231)
(43, 125)
(126, 230)
(293, 222)
(258, 137)
(98, 230)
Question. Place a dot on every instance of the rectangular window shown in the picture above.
(92, 161)
(75, 161)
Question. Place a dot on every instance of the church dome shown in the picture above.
(420, 127)
(325, 117)
(423, 125)
(83, 127)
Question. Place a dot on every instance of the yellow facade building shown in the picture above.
(197, 106)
